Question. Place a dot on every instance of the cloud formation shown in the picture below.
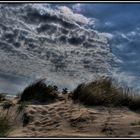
(37, 40)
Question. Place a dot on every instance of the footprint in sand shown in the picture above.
(45, 119)
(32, 111)
(53, 123)
(44, 112)
(58, 125)
(131, 133)
(61, 114)
(67, 115)
(57, 117)
(25, 131)
(37, 123)
(33, 129)
(50, 109)
(61, 109)
(46, 122)
(52, 112)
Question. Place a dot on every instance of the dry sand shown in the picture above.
(62, 119)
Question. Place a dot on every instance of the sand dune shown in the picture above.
(62, 119)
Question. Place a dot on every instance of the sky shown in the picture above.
(118, 22)
(122, 21)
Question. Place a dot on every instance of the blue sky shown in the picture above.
(113, 17)
(123, 22)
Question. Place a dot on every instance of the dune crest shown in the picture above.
(62, 119)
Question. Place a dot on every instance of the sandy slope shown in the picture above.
(67, 119)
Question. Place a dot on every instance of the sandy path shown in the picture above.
(67, 119)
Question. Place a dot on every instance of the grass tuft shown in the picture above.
(39, 92)
(5, 125)
(2, 97)
(106, 92)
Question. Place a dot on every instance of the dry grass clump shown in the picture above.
(106, 92)
(39, 92)
(2, 97)
(5, 125)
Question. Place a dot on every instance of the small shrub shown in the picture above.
(134, 104)
(39, 92)
(2, 97)
(65, 91)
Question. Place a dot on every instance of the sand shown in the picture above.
(62, 119)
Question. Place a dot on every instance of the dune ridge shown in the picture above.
(62, 119)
